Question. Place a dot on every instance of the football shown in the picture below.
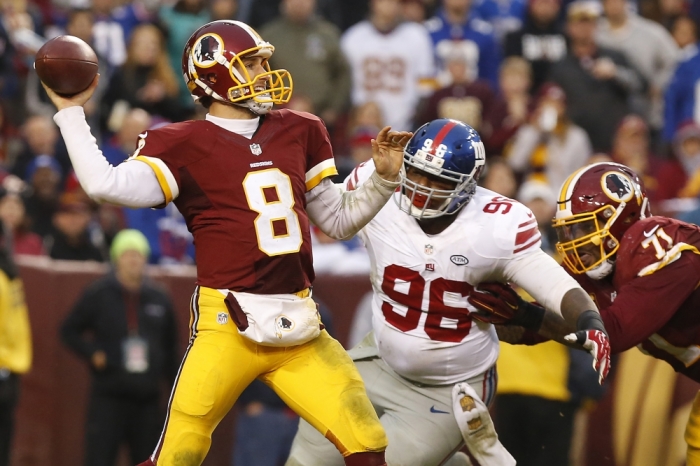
(66, 64)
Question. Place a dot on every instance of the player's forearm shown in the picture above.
(130, 184)
(541, 277)
(341, 214)
(577, 308)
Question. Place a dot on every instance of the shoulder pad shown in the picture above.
(508, 227)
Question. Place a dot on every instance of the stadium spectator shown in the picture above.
(550, 146)
(648, 47)
(39, 137)
(308, 47)
(503, 16)
(685, 32)
(122, 144)
(71, 238)
(135, 12)
(598, 82)
(144, 81)
(454, 27)
(632, 147)
(15, 344)
(108, 36)
(511, 110)
(499, 178)
(464, 99)
(391, 61)
(680, 102)
(44, 179)
(180, 20)
(541, 40)
(223, 9)
(132, 351)
(13, 215)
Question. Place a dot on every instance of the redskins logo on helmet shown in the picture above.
(617, 186)
(212, 65)
(596, 206)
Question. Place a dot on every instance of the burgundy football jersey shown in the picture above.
(652, 301)
(244, 199)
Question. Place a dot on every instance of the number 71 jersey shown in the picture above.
(420, 313)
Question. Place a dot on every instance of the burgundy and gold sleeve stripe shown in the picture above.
(166, 180)
(319, 172)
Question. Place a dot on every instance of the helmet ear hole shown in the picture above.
(211, 77)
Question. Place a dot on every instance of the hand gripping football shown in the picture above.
(66, 64)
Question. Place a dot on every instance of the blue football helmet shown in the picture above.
(450, 150)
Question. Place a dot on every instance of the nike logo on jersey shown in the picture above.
(651, 232)
(434, 410)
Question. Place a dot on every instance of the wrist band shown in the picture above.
(590, 320)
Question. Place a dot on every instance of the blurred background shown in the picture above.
(551, 85)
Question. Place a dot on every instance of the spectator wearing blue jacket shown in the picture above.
(681, 99)
(455, 27)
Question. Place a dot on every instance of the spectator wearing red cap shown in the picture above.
(549, 147)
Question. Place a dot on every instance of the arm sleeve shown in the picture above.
(540, 275)
(646, 303)
(341, 214)
(130, 184)
(75, 325)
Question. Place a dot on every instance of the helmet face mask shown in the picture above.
(452, 154)
(596, 206)
(584, 241)
(214, 64)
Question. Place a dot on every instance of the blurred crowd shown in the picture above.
(550, 85)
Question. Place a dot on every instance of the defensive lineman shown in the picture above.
(426, 355)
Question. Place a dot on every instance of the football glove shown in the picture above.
(597, 344)
(499, 304)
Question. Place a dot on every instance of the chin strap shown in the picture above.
(602, 270)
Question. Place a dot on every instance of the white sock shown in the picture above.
(477, 428)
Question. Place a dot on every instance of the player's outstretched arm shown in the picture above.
(129, 184)
(341, 213)
(498, 303)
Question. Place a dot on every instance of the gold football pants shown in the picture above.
(318, 380)
(692, 434)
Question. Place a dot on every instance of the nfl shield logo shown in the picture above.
(428, 249)
(222, 318)
(256, 149)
